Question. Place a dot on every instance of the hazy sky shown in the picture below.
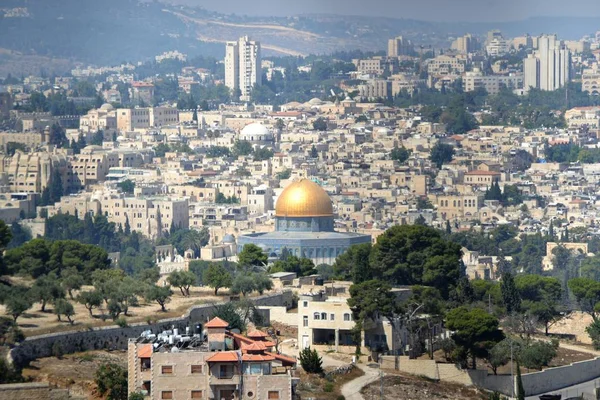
(431, 10)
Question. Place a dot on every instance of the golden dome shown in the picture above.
(304, 198)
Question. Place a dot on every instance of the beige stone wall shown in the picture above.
(28, 391)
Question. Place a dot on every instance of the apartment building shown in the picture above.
(465, 44)
(446, 65)
(399, 46)
(212, 362)
(32, 172)
(103, 118)
(5, 104)
(590, 80)
(148, 215)
(142, 93)
(458, 207)
(129, 120)
(549, 68)
(375, 89)
(473, 80)
(243, 68)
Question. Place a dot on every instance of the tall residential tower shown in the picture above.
(243, 66)
(550, 67)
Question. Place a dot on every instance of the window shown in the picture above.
(347, 317)
(273, 395)
(196, 394)
(316, 316)
(305, 321)
(196, 369)
(324, 316)
(166, 394)
(332, 317)
(166, 369)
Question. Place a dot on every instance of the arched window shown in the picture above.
(316, 316)
(347, 317)
(324, 316)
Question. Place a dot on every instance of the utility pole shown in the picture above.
(512, 374)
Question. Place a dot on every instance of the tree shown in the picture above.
(90, 300)
(285, 174)
(494, 192)
(160, 294)
(400, 154)
(416, 255)
(441, 154)
(5, 238)
(314, 153)
(353, 264)
(139, 395)
(18, 302)
(593, 330)
(229, 312)
(300, 266)
(541, 297)
(371, 300)
(475, 332)
(538, 354)
(243, 284)
(504, 266)
(111, 380)
(63, 307)
(262, 282)
(520, 388)
(71, 280)
(262, 154)
(587, 294)
(500, 354)
(56, 186)
(127, 186)
(310, 361)
(320, 124)
(47, 289)
(510, 294)
(241, 148)
(182, 280)
(217, 276)
(252, 257)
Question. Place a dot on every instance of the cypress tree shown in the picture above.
(510, 294)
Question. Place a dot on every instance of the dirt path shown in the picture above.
(351, 390)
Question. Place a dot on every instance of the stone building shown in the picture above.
(216, 363)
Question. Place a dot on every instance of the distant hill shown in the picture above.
(113, 31)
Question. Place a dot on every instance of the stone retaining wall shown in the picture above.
(116, 338)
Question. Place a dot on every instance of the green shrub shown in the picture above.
(328, 387)
(122, 322)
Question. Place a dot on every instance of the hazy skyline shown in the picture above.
(429, 10)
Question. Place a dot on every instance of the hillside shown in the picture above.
(113, 31)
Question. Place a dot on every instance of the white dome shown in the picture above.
(256, 132)
(315, 101)
(107, 107)
(383, 131)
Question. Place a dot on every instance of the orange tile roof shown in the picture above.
(223, 356)
(145, 351)
(216, 322)
(257, 334)
(256, 346)
(257, 357)
(282, 357)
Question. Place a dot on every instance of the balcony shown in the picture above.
(225, 379)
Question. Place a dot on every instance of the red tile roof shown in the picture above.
(145, 351)
(257, 334)
(216, 322)
(223, 356)
(257, 357)
(256, 346)
(281, 357)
